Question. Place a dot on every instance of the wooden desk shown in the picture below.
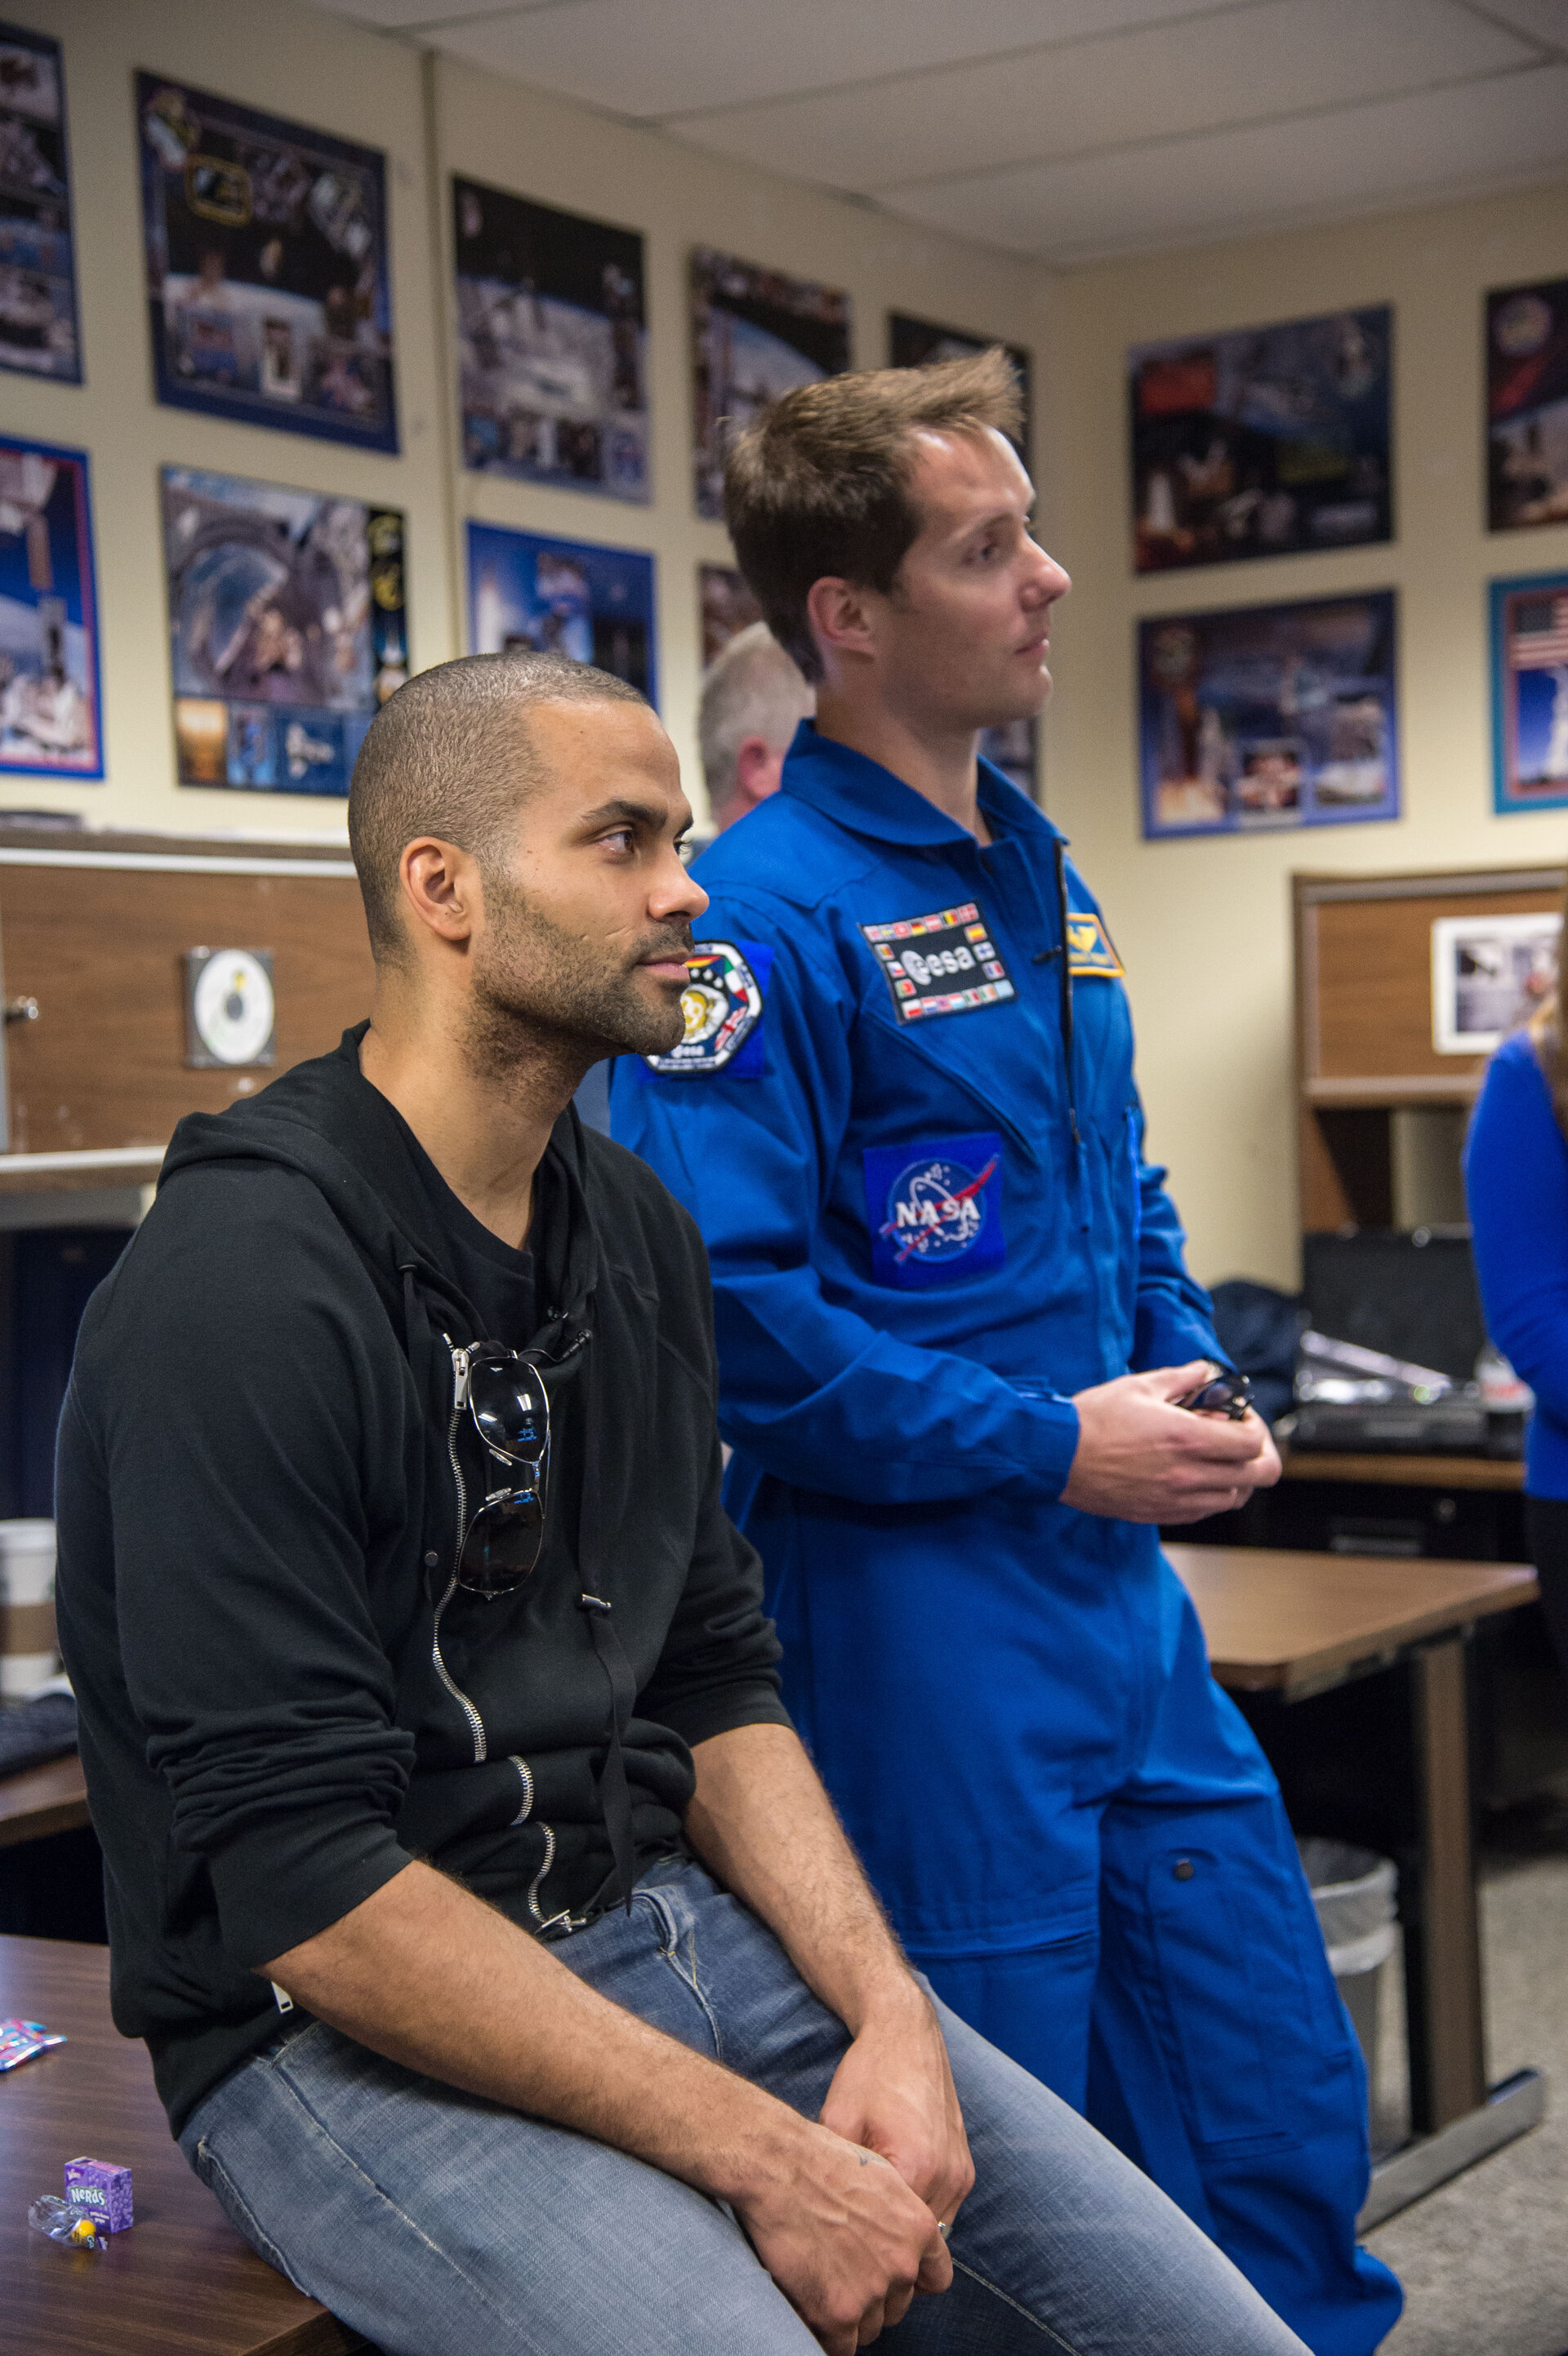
(181, 2282)
(1405, 1472)
(1300, 1625)
(48, 1799)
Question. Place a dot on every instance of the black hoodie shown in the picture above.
(259, 1493)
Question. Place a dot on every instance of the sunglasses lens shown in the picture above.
(502, 1545)
(510, 1409)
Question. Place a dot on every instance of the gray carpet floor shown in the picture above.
(1484, 2260)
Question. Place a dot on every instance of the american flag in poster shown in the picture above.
(1539, 633)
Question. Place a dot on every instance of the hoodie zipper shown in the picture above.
(459, 1399)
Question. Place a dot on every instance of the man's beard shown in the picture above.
(539, 990)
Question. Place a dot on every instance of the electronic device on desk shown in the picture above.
(1366, 1402)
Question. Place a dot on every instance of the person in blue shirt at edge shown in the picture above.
(953, 1320)
(1515, 1179)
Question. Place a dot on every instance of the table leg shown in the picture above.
(1443, 1959)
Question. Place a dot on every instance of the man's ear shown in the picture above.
(840, 620)
(442, 889)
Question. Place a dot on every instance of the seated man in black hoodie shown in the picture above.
(505, 1973)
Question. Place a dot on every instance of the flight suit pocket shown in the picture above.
(1234, 1997)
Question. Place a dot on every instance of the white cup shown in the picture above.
(28, 1649)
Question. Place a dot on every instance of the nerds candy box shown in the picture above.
(100, 2192)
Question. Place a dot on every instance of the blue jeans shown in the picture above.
(436, 2224)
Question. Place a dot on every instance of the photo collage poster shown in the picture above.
(1530, 692)
(755, 334)
(287, 628)
(38, 331)
(1262, 442)
(569, 597)
(1263, 717)
(726, 607)
(50, 706)
(552, 345)
(916, 342)
(268, 287)
(1527, 406)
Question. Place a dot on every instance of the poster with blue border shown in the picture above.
(269, 291)
(1530, 692)
(529, 590)
(1259, 718)
(39, 334)
(287, 629)
(50, 705)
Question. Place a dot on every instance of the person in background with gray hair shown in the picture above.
(753, 699)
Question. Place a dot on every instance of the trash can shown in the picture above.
(1353, 1891)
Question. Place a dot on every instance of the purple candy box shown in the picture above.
(102, 2192)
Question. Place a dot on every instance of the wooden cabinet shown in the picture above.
(95, 931)
(1365, 1051)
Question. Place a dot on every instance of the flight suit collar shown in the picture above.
(868, 800)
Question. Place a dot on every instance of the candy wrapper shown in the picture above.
(75, 2229)
(20, 2040)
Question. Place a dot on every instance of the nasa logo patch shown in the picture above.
(722, 1003)
(1090, 947)
(946, 963)
(934, 1210)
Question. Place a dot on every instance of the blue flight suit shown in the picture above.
(914, 1148)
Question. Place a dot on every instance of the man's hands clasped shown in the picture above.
(850, 2219)
(1141, 1458)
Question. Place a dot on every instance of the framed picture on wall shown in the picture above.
(1262, 717)
(916, 342)
(725, 607)
(287, 629)
(1527, 405)
(572, 597)
(39, 332)
(756, 333)
(1262, 440)
(269, 294)
(1490, 975)
(1530, 692)
(50, 712)
(552, 344)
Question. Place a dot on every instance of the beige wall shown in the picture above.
(288, 61)
(1204, 926)
(432, 118)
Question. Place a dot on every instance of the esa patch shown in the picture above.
(1090, 947)
(946, 963)
(722, 1003)
(935, 1211)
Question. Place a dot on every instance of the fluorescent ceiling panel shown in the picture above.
(1287, 58)
(648, 59)
(1237, 183)
(408, 15)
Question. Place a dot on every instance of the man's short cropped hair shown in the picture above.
(751, 688)
(450, 755)
(819, 485)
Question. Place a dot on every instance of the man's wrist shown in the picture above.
(886, 1995)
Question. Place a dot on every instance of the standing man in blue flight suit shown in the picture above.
(953, 1318)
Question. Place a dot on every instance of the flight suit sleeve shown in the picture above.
(1175, 1320)
(819, 1396)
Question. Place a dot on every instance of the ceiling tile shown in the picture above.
(1285, 57)
(1543, 20)
(650, 57)
(1239, 182)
